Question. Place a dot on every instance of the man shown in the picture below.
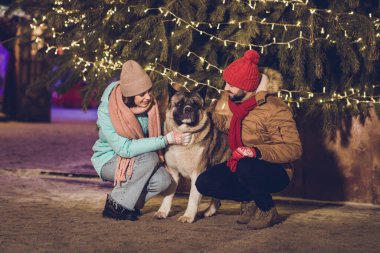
(263, 139)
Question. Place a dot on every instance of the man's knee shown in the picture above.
(203, 184)
(209, 182)
(247, 168)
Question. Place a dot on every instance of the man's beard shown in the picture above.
(238, 97)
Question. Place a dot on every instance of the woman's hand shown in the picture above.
(177, 137)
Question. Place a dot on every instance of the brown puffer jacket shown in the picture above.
(270, 126)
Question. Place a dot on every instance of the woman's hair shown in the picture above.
(129, 101)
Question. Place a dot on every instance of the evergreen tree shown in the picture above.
(326, 50)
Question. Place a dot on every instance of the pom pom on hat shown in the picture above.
(252, 56)
(244, 73)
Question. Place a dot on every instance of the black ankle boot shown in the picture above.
(116, 211)
(137, 212)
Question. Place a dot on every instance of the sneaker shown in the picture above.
(116, 211)
(247, 211)
(263, 219)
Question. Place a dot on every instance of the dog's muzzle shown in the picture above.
(187, 114)
(188, 109)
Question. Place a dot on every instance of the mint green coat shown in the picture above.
(110, 143)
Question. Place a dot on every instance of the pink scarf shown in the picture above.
(126, 124)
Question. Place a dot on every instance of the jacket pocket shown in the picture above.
(279, 133)
(265, 137)
(277, 136)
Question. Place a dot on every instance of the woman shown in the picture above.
(128, 149)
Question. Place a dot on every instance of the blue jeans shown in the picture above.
(148, 179)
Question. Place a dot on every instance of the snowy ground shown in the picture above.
(45, 213)
(59, 114)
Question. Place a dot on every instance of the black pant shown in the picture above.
(253, 180)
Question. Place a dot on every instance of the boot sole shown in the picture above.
(242, 222)
(259, 228)
(273, 222)
(107, 214)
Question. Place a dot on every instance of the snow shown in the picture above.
(55, 146)
(45, 213)
(72, 115)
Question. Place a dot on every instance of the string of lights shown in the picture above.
(376, 23)
(263, 21)
(176, 73)
(286, 95)
(313, 11)
(351, 95)
(194, 26)
(294, 3)
(105, 65)
(203, 60)
(107, 62)
(227, 42)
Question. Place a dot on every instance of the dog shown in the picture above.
(208, 146)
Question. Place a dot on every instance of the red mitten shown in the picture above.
(238, 154)
(241, 152)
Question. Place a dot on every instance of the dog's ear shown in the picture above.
(203, 92)
(171, 91)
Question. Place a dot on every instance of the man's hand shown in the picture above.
(238, 154)
(242, 152)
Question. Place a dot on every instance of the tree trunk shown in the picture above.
(33, 105)
(344, 169)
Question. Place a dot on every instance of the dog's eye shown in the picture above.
(179, 104)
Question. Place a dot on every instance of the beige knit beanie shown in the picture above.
(133, 79)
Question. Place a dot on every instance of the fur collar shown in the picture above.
(276, 82)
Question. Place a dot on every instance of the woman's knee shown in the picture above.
(148, 160)
(107, 172)
(165, 181)
(160, 181)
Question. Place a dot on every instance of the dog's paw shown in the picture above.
(160, 215)
(209, 212)
(186, 219)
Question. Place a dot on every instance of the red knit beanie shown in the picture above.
(243, 73)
